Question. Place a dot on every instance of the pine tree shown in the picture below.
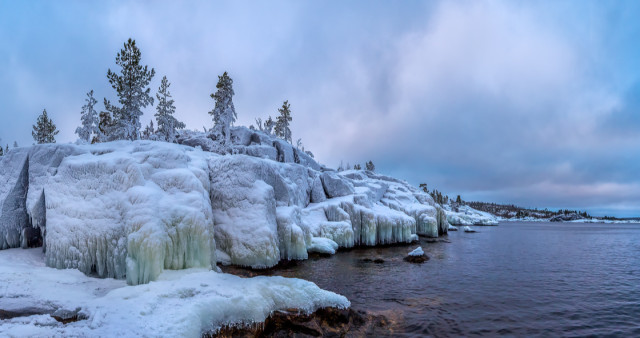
(105, 127)
(282, 122)
(1, 152)
(269, 124)
(369, 166)
(6, 150)
(424, 187)
(458, 200)
(133, 94)
(89, 119)
(167, 123)
(15, 144)
(149, 132)
(357, 167)
(224, 112)
(44, 131)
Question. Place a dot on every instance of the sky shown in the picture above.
(533, 103)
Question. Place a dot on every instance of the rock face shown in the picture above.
(132, 209)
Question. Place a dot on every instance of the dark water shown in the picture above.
(517, 279)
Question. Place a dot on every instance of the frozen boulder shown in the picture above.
(323, 245)
(130, 209)
(317, 191)
(14, 179)
(336, 186)
(416, 256)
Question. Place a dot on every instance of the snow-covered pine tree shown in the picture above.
(89, 119)
(268, 125)
(6, 150)
(167, 123)
(282, 122)
(44, 131)
(1, 152)
(105, 127)
(357, 167)
(133, 94)
(369, 166)
(149, 132)
(15, 144)
(224, 112)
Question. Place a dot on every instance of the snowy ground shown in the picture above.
(180, 303)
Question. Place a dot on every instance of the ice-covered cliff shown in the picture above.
(133, 209)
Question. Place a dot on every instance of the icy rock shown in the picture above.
(468, 229)
(244, 210)
(323, 245)
(14, 176)
(416, 256)
(466, 215)
(335, 186)
(317, 191)
(285, 151)
(417, 252)
(262, 151)
(306, 160)
(130, 209)
(293, 235)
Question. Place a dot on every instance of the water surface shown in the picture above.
(517, 279)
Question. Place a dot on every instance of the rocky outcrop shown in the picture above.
(133, 209)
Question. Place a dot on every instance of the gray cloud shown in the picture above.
(531, 103)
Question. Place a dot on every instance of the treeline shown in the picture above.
(121, 120)
(367, 166)
(513, 211)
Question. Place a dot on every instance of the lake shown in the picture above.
(516, 279)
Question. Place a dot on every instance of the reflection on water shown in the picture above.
(515, 279)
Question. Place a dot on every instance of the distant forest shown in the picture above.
(512, 211)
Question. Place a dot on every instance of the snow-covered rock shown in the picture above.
(134, 209)
(417, 252)
(469, 216)
(323, 245)
(184, 303)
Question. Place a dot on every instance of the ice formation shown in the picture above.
(180, 303)
(134, 209)
(417, 252)
(465, 215)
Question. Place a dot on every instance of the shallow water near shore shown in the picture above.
(532, 279)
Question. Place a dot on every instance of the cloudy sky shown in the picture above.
(535, 103)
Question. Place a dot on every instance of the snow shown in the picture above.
(417, 252)
(323, 245)
(182, 303)
(469, 216)
(135, 209)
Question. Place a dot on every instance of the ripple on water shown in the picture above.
(519, 279)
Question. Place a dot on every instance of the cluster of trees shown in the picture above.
(280, 126)
(6, 149)
(510, 210)
(441, 198)
(121, 120)
(367, 166)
